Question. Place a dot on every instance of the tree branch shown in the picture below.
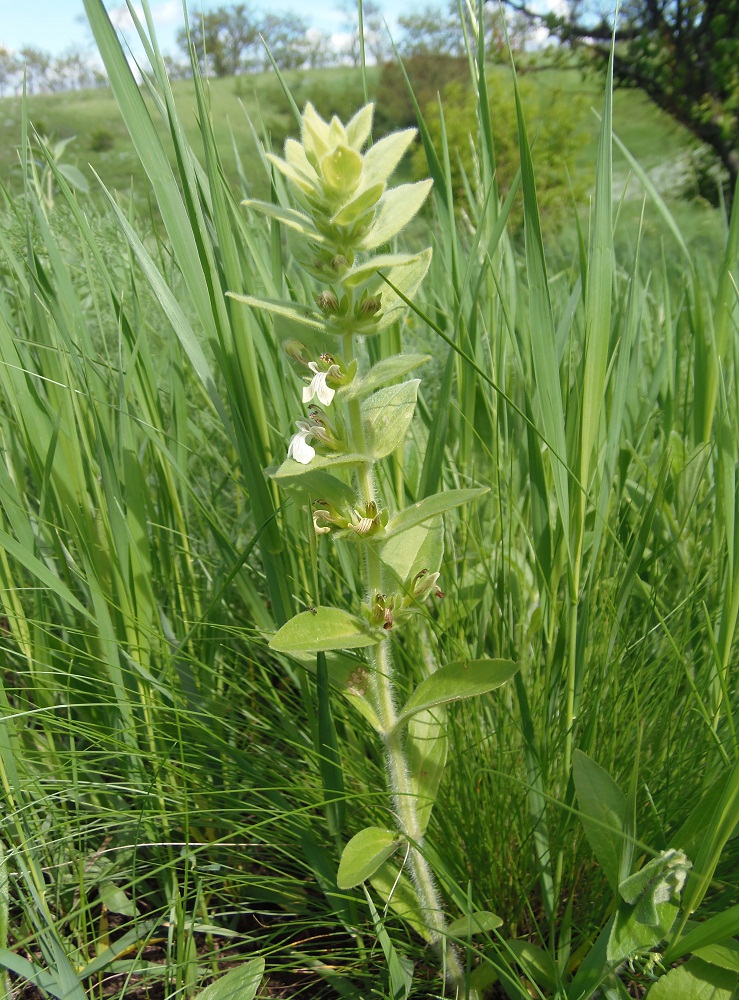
(566, 30)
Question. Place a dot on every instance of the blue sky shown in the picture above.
(55, 25)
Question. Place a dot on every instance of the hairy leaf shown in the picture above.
(364, 854)
(320, 630)
(456, 681)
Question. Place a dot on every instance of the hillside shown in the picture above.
(101, 144)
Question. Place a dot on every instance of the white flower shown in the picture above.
(299, 449)
(318, 386)
(320, 516)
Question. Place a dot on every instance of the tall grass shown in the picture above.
(167, 809)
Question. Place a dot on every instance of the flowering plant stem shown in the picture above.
(383, 696)
(346, 212)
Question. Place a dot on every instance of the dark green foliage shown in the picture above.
(684, 56)
(429, 75)
(556, 118)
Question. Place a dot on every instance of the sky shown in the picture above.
(56, 25)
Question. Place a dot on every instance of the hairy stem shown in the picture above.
(383, 691)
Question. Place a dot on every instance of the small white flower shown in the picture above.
(318, 386)
(319, 519)
(299, 449)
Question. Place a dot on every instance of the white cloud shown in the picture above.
(121, 18)
(167, 13)
(342, 43)
(540, 36)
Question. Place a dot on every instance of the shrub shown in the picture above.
(428, 76)
(706, 178)
(101, 140)
(554, 117)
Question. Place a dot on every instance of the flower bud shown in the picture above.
(368, 520)
(420, 586)
(326, 516)
(327, 302)
(371, 305)
(294, 349)
(341, 169)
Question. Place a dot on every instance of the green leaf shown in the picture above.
(320, 630)
(41, 571)
(348, 676)
(719, 826)
(342, 168)
(293, 311)
(477, 922)
(387, 370)
(430, 507)
(383, 157)
(359, 127)
(290, 469)
(542, 330)
(725, 955)
(594, 967)
(655, 198)
(363, 706)
(457, 680)
(598, 291)
(74, 177)
(302, 181)
(364, 272)
(696, 980)
(398, 893)
(603, 813)
(406, 281)
(172, 308)
(537, 797)
(107, 956)
(692, 833)
(388, 275)
(418, 548)
(240, 983)
(315, 484)
(537, 965)
(364, 854)
(35, 975)
(288, 217)
(115, 899)
(717, 929)
(630, 935)
(426, 752)
(438, 430)
(396, 207)
(387, 415)
(327, 751)
(483, 978)
(659, 881)
(362, 202)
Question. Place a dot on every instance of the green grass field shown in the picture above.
(656, 141)
(552, 814)
(234, 101)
